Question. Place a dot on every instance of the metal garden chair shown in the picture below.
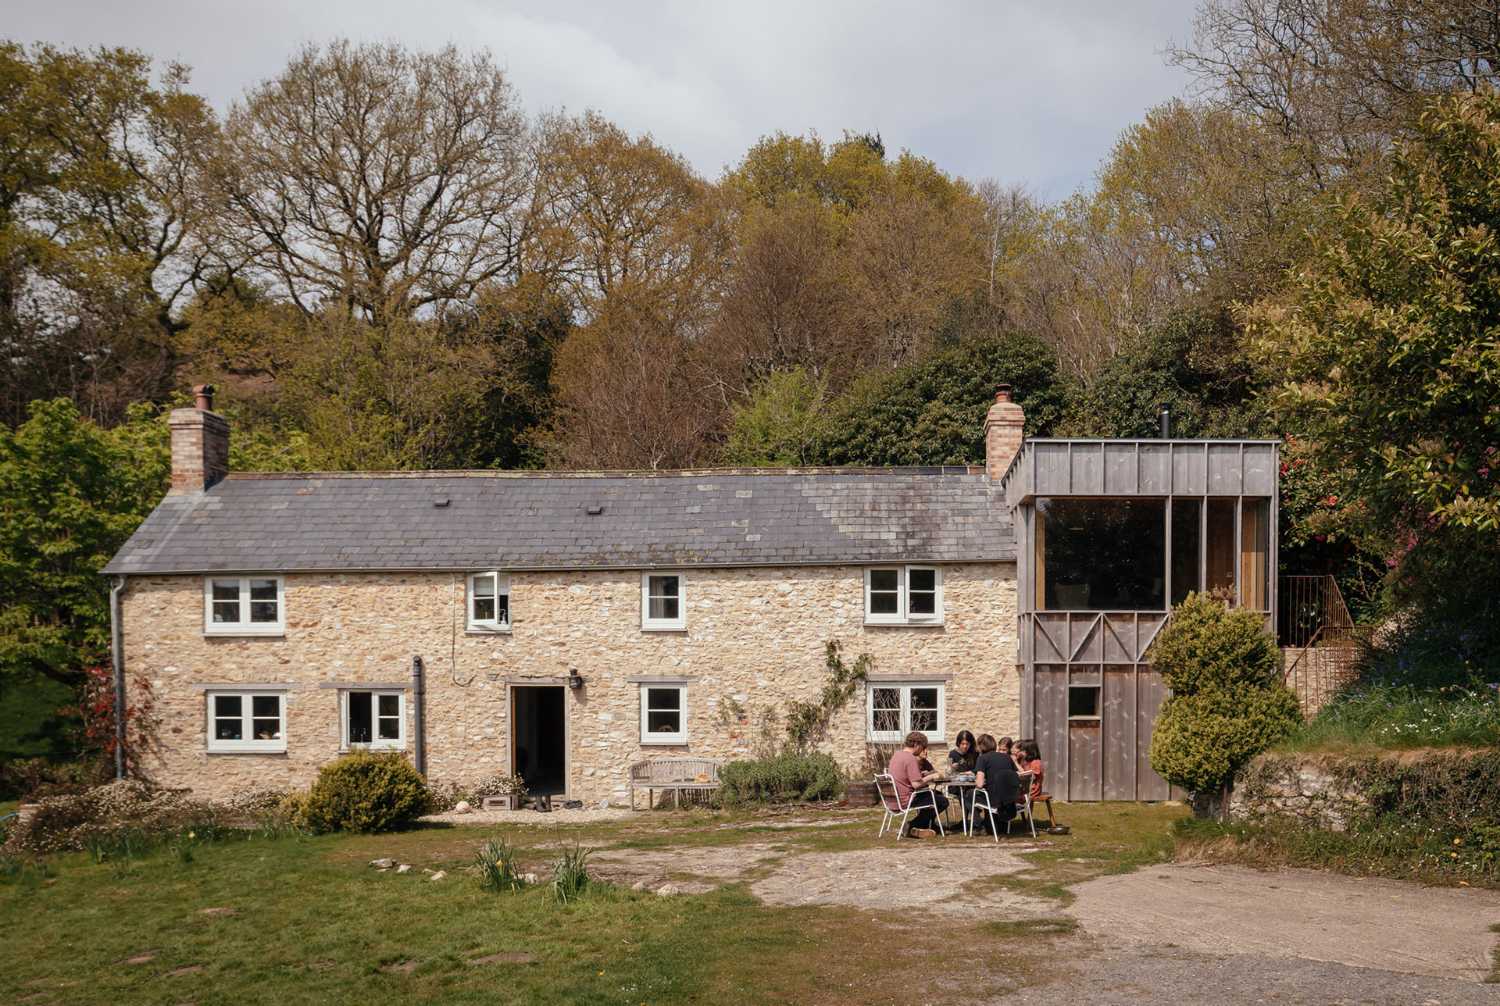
(890, 802)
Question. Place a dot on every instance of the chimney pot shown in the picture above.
(1002, 393)
(203, 397)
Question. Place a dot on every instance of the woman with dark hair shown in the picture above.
(996, 775)
(965, 752)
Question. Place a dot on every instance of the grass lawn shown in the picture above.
(311, 922)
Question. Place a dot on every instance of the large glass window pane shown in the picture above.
(1255, 546)
(226, 600)
(924, 709)
(1187, 539)
(360, 717)
(921, 592)
(885, 592)
(1221, 545)
(885, 710)
(1101, 554)
(263, 601)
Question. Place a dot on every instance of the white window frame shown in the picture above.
(248, 743)
(649, 624)
(398, 744)
(903, 614)
(681, 736)
(502, 587)
(905, 688)
(244, 627)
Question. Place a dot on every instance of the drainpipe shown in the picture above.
(1166, 423)
(419, 700)
(117, 660)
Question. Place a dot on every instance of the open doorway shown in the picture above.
(538, 741)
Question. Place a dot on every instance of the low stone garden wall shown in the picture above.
(1448, 787)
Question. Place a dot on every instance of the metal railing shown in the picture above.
(1311, 611)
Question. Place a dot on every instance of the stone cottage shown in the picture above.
(560, 625)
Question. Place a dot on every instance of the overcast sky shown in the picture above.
(1019, 91)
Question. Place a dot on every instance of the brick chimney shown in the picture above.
(1002, 433)
(200, 444)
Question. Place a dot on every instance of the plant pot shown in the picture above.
(505, 801)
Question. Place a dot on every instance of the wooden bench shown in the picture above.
(675, 774)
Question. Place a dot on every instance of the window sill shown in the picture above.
(371, 748)
(487, 630)
(936, 623)
(664, 628)
(658, 742)
(248, 751)
(277, 631)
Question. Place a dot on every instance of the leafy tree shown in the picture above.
(780, 424)
(1387, 341)
(1193, 363)
(102, 224)
(932, 412)
(377, 182)
(1228, 702)
(70, 494)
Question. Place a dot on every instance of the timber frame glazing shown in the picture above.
(1088, 695)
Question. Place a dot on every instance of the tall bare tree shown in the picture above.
(378, 181)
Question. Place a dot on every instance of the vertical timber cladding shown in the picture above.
(1089, 697)
(1092, 715)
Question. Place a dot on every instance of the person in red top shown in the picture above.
(906, 772)
(1030, 760)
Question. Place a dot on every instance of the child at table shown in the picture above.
(1029, 759)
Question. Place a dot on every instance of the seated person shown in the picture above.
(995, 773)
(1029, 759)
(965, 752)
(910, 780)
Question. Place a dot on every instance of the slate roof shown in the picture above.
(504, 520)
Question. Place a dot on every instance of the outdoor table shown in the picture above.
(956, 788)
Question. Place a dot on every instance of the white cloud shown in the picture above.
(1022, 91)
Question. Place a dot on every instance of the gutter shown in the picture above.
(419, 701)
(117, 659)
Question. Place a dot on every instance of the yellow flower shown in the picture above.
(1458, 841)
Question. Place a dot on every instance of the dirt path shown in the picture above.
(1304, 915)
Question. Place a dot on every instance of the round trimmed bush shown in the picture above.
(1228, 701)
(365, 792)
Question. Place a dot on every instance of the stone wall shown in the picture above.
(1307, 788)
(754, 636)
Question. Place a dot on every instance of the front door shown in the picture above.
(539, 750)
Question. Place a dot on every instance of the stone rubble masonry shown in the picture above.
(754, 639)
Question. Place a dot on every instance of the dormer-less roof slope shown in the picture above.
(484, 520)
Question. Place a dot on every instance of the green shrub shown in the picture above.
(780, 779)
(1228, 702)
(365, 792)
